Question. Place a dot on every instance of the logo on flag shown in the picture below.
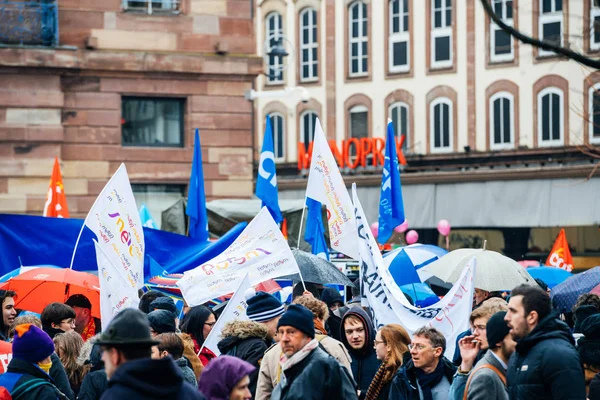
(56, 200)
(266, 182)
(560, 255)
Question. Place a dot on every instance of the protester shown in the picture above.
(172, 345)
(190, 355)
(95, 382)
(226, 378)
(391, 345)
(161, 321)
(428, 374)
(28, 372)
(588, 347)
(166, 303)
(594, 393)
(308, 372)
(86, 325)
(57, 318)
(9, 313)
(587, 304)
(545, 364)
(147, 298)
(249, 340)
(126, 348)
(355, 300)
(334, 301)
(358, 336)
(480, 295)
(542, 285)
(68, 346)
(300, 289)
(198, 322)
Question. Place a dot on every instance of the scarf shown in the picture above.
(319, 326)
(429, 381)
(287, 363)
(89, 331)
(377, 382)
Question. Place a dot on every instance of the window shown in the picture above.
(307, 127)
(550, 117)
(278, 124)
(153, 6)
(152, 121)
(594, 114)
(595, 25)
(399, 36)
(157, 199)
(441, 127)
(399, 114)
(502, 121)
(550, 24)
(441, 34)
(274, 34)
(359, 127)
(308, 45)
(501, 45)
(359, 42)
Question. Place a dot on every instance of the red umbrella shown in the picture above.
(41, 286)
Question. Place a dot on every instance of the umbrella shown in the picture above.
(564, 296)
(551, 276)
(421, 294)
(20, 270)
(404, 261)
(41, 286)
(494, 271)
(316, 270)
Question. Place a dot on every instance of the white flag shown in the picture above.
(116, 293)
(260, 251)
(325, 184)
(115, 220)
(235, 310)
(390, 306)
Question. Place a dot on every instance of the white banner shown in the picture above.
(260, 251)
(115, 220)
(389, 305)
(116, 293)
(235, 310)
(325, 184)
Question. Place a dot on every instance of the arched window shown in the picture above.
(594, 114)
(307, 127)
(550, 117)
(502, 122)
(309, 65)
(274, 32)
(359, 126)
(399, 36)
(441, 125)
(278, 124)
(359, 40)
(398, 113)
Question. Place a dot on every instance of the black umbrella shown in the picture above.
(317, 270)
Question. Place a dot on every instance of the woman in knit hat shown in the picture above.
(226, 378)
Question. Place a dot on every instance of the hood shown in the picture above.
(221, 375)
(235, 332)
(150, 378)
(369, 332)
(331, 296)
(548, 328)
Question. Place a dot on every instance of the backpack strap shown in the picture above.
(27, 386)
(489, 366)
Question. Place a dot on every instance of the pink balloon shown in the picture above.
(412, 237)
(403, 227)
(375, 229)
(443, 227)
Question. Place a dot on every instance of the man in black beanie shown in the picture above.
(305, 365)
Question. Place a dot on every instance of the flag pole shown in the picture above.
(301, 222)
(76, 243)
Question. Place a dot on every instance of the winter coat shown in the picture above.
(146, 379)
(30, 372)
(60, 378)
(404, 385)
(190, 355)
(186, 371)
(93, 386)
(545, 364)
(270, 369)
(486, 384)
(364, 361)
(319, 376)
(594, 393)
(205, 354)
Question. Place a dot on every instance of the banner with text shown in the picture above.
(260, 251)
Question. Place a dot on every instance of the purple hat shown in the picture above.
(31, 343)
(221, 375)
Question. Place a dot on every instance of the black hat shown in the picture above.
(130, 327)
(163, 303)
(311, 287)
(331, 296)
(496, 329)
(263, 307)
(162, 321)
(79, 300)
(581, 314)
(300, 318)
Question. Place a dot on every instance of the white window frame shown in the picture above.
(450, 147)
(495, 28)
(401, 104)
(274, 125)
(595, 88)
(594, 13)
(398, 37)
(276, 34)
(541, 94)
(445, 30)
(547, 18)
(302, 116)
(511, 110)
(176, 7)
(310, 46)
(358, 109)
(362, 38)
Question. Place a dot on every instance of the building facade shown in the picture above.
(100, 83)
(500, 137)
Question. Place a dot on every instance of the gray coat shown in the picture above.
(187, 372)
(486, 384)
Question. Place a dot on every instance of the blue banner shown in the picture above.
(314, 234)
(196, 205)
(266, 181)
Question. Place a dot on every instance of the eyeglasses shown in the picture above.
(211, 324)
(69, 321)
(419, 347)
(376, 342)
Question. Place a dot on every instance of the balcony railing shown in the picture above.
(33, 23)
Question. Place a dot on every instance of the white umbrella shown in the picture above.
(494, 271)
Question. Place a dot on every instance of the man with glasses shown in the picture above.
(57, 318)
(428, 374)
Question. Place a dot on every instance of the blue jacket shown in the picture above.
(39, 384)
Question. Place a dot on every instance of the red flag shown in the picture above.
(560, 255)
(284, 230)
(56, 200)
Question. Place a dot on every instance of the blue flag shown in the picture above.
(402, 270)
(196, 205)
(146, 217)
(266, 181)
(314, 234)
(391, 206)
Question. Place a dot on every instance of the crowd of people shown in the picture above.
(315, 348)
